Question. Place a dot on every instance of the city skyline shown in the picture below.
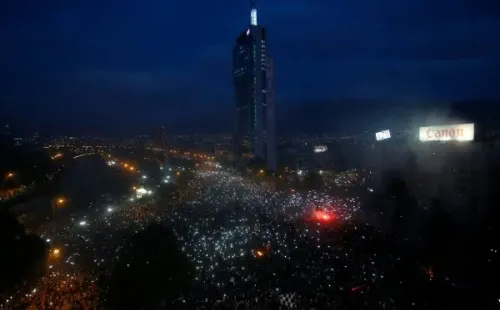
(121, 67)
(252, 154)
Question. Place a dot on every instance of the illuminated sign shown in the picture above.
(382, 135)
(320, 149)
(461, 132)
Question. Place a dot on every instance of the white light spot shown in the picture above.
(253, 17)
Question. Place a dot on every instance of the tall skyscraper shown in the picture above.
(253, 84)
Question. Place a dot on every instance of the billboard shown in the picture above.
(460, 132)
(382, 135)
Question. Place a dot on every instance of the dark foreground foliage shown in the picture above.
(151, 271)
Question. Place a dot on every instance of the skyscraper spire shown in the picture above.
(253, 13)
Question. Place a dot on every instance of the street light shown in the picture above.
(57, 202)
(54, 253)
(10, 175)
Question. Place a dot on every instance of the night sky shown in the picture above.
(125, 66)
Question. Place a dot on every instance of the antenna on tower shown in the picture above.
(253, 13)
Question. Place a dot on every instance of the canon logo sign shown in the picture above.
(462, 132)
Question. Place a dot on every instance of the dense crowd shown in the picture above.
(251, 247)
(254, 246)
(86, 243)
(62, 291)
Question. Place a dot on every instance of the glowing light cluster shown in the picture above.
(320, 148)
(383, 135)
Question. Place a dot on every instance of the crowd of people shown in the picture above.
(60, 291)
(80, 248)
(251, 247)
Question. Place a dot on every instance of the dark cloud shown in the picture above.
(103, 59)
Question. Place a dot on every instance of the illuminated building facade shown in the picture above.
(253, 84)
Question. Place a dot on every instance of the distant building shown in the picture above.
(253, 84)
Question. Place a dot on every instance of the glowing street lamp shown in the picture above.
(54, 253)
(57, 202)
(259, 253)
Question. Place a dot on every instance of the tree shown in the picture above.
(437, 233)
(151, 270)
(404, 203)
(24, 255)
